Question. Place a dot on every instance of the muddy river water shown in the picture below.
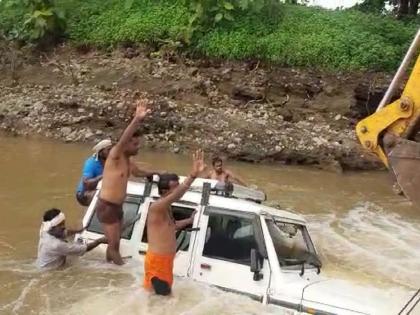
(363, 232)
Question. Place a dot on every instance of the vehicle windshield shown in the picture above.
(292, 244)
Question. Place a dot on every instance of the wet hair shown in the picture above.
(215, 160)
(51, 214)
(164, 180)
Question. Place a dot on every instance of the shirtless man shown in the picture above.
(117, 170)
(223, 175)
(161, 229)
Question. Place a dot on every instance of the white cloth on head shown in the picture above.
(47, 225)
(106, 143)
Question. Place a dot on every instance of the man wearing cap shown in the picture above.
(93, 169)
(53, 248)
(92, 172)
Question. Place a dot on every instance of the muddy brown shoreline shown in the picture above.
(241, 110)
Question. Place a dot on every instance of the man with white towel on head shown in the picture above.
(53, 247)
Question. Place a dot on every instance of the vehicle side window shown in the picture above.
(130, 207)
(289, 243)
(229, 238)
(179, 213)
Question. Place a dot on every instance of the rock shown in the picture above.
(77, 120)
(247, 93)
(65, 131)
(318, 141)
(330, 90)
(193, 71)
(337, 117)
(88, 134)
(71, 137)
(81, 110)
(99, 132)
(130, 53)
(226, 71)
(231, 146)
(172, 105)
(38, 106)
(176, 150)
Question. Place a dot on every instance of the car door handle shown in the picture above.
(192, 229)
(205, 266)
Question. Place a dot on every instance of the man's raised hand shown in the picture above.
(198, 163)
(141, 110)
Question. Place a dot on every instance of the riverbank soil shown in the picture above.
(242, 110)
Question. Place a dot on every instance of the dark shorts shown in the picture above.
(82, 198)
(108, 212)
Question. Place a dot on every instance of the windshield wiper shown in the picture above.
(313, 261)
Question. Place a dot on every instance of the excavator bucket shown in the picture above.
(404, 162)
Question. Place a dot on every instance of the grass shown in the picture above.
(298, 36)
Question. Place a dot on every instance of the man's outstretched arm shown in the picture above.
(141, 112)
(181, 224)
(236, 179)
(141, 172)
(91, 183)
(198, 166)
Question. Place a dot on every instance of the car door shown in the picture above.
(185, 238)
(223, 252)
(131, 207)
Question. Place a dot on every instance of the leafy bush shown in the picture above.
(211, 12)
(295, 36)
(37, 20)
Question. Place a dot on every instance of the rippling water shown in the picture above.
(363, 233)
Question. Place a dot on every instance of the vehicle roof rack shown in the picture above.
(229, 191)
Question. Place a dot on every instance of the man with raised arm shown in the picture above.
(161, 228)
(118, 167)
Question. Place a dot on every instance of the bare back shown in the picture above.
(161, 229)
(115, 178)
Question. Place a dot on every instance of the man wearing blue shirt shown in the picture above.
(93, 169)
(92, 172)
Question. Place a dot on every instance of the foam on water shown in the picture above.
(365, 245)
(374, 244)
(92, 287)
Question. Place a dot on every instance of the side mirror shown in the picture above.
(256, 264)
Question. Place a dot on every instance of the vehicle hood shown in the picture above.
(344, 295)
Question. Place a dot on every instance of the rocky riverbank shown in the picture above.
(245, 111)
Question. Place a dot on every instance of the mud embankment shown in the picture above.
(245, 111)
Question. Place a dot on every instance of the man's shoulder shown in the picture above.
(91, 160)
(159, 205)
(228, 172)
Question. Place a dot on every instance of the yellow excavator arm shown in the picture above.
(393, 118)
(386, 132)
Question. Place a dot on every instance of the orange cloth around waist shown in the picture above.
(158, 265)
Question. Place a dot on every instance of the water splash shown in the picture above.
(372, 243)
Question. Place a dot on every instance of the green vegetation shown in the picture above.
(34, 20)
(294, 35)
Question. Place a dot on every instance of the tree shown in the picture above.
(401, 8)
